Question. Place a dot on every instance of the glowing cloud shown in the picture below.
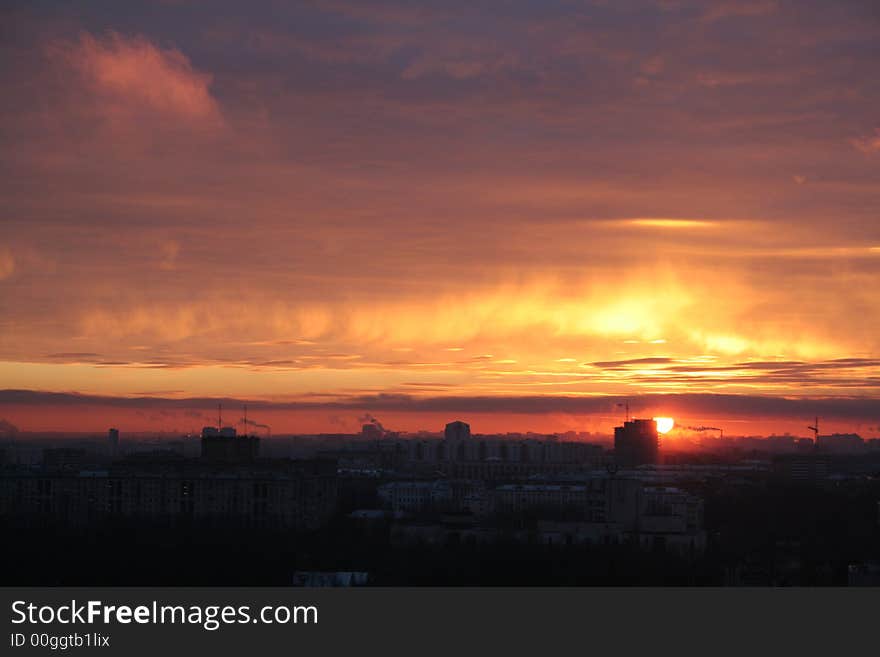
(135, 74)
(365, 199)
(671, 223)
(7, 264)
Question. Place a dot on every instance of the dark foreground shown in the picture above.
(774, 536)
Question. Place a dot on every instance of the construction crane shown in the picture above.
(815, 430)
(709, 429)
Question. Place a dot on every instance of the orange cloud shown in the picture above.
(169, 251)
(670, 223)
(382, 202)
(868, 144)
(133, 74)
(7, 264)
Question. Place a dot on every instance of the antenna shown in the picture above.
(245, 421)
(815, 430)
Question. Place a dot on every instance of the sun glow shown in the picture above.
(664, 424)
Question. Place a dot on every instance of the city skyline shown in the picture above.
(520, 217)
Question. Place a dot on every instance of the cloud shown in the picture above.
(514, 193)
(168, 252)
(738, 8)
(694, 405)
(868, 144)
(131, 74)
(837, 374)
(7, 264)
(670, 223)
(459, 66)
(617, 364)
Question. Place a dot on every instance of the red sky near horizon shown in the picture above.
(438, 210)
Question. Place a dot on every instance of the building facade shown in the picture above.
(295, 495)
(637, 442)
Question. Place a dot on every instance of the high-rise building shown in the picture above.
(458, 430)
(113, 441)
(637, 442)
(225, 445)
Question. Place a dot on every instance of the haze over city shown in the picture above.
(523, 214)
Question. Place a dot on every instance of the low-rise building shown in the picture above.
(288, 494)
(415, 496)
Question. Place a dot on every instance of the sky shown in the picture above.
(516, 213)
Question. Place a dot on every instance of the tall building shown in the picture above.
(636, 443)
(458, 430)
(113, 441)
(225, 445)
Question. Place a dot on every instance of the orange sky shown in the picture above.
(340, 211)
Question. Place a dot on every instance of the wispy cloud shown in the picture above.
(721, 9)
(853, 408)
(868, 144)
(7, 264)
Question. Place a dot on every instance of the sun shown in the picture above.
(664, 424)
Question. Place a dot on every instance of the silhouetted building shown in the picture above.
(595, 509)
(804, 445)
(298, 495)
(807, 468)
(491, 458)
(636, 443)
(113, 442)
(416, 495)
(61, 458)
(671, 519)
(458, 430)
(314, 578)
(841, 443)
(864, 574)
(225, 446)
